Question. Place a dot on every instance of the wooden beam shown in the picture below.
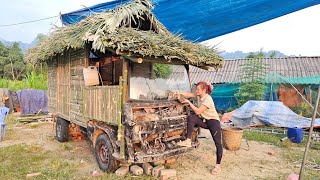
(87, 54)
(134, 58)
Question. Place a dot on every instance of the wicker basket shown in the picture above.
(232, 137)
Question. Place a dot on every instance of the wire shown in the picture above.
(26, 22)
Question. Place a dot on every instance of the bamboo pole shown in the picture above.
(124, 99)
(310, 134)
(120, 130)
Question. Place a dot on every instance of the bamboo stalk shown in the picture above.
(124, 99)
(310, 134)
(120, 130)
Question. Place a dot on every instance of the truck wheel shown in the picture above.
(103, 152)
(62, 130)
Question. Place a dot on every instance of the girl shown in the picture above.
(206, 117)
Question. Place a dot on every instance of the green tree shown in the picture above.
(261, 54)
(14, 68)
(4, 53)
(38, 67)
(40, 37)
(252, 74)
(161, 70)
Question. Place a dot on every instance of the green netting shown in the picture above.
(223, 94)
(224, 99)
(225, 90)
(277, 78)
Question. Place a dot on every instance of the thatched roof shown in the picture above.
(129, 29)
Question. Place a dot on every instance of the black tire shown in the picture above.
(103, 151)
(62, 130)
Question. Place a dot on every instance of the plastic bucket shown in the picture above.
(232, 137)
(295, 135)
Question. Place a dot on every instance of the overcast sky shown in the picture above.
(294, 34)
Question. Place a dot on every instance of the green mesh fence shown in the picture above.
(223, 94)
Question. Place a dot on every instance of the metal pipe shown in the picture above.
(310, 134)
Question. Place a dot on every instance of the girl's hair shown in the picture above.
(206, 86)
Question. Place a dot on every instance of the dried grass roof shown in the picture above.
(130, 28)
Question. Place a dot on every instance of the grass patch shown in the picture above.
(274, 139)
(34, 126)
(19, 160)
(67, 146)
(33, 80)
(11, 120)
(11, 134)
(293, 153)
(269, 138)
(295, 156)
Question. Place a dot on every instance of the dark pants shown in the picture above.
(214, 128)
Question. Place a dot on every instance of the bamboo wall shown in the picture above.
(52, 85)
(65, 82)
(70, 99)
(100, 103)
(63, 85)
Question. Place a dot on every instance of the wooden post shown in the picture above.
(87, 54)
(310, 134)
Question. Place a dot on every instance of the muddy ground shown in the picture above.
(259, 161)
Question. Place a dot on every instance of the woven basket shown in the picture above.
(232, 137)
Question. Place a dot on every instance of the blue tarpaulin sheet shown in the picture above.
(33, 101)
(270, 113)
(200, 20)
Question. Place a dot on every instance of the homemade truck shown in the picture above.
(113, 75)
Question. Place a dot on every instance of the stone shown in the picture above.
(136, 170)
(156, 170)
(122, 171)
(147, 168)
(165, 174)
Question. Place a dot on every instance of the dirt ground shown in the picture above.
(259, 161)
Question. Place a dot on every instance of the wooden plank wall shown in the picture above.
(101, 103)
(65, 85)
(71, 100)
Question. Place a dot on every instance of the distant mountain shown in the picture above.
(240, 54)
(23, 46)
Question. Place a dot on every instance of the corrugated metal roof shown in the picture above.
(289, 67)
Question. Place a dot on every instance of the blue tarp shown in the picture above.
(33, 101)
(271, 113)
(200, 20)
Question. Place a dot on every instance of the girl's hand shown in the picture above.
(186, 101)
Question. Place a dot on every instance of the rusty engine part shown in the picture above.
(153, 128)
